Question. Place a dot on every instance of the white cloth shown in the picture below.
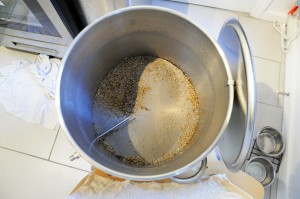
(27, 90)
(215, 187)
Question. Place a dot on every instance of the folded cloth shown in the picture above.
(213, 187)
(27, 91)
(45, 73)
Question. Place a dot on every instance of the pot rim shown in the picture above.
(279, 135)
(270, 164)
(158, 176)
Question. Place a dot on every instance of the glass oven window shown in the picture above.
(26, 15)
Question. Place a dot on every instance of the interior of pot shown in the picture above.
(135, 32)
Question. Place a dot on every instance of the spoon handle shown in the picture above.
(112, 128)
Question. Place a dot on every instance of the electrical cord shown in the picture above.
(286, 39)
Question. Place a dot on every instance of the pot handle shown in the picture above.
(194, 177)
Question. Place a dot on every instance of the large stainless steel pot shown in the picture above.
(144, 31)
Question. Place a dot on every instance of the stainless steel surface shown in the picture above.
(270, 141)
(136, 31)
(261, 169)
(192, 175)
(236, 141)
(112, 128)
(33, 45)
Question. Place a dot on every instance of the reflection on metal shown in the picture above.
(192, 175)
(236, 141)
(255, 151)
(110, 130)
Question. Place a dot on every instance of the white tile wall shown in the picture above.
(264, 39)
(282, 85)
(63, 149)
(211, 20)
(267, 80)
(268, 116)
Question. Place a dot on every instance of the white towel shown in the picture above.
(27, 90)
(215, 187)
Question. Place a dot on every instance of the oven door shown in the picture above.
(33, 19)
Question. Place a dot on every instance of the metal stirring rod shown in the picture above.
(112, 128)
